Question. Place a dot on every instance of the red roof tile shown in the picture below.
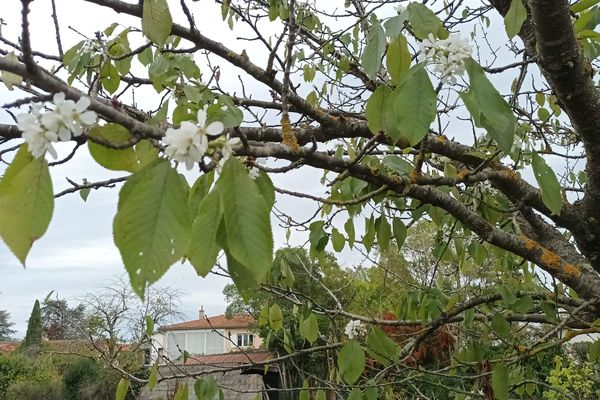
(8, 347)
(216, 322)
(230, 358)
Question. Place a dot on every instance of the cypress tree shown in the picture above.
(33, 337)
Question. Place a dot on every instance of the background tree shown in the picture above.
(33, 336)
(5, 325)
(390, 114)
(60, 322)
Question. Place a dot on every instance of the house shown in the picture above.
(205, 336)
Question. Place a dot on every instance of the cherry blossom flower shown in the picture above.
(355, 329)
(446, 55)
(186, 144)
(41, 129)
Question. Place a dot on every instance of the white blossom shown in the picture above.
(186, 144)
(212, 129)
(355, 329)
(226, 150)
(41, 129)
(254, 171)
(446, 55)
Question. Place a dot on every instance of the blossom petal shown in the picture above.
(215, 128)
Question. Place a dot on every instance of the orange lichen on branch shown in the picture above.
(571, 269)
(509, 174)
(441, 139)
(288, 137)
(550, 259)
(529, 243)
(463, 173)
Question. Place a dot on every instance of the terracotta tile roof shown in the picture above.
(216, 322)
(229, 358)
(8, 347)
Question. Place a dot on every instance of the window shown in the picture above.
(245, 339)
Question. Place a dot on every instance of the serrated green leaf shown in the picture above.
(381, 347)
(522, 305)
(207, 389)
(200, 190)
(149, 325)
(371, 58)
(351, 361)
(304, 393)
(247, 220)
(182, 393)
(109, 76)
(122, 388)
(355, 394)
(422, 20)
(152, 226)
(337, 240)
(8, 78)
(384, 233)
(309, 328)
(398, 59)
(113, 159)
(549, 185)
(204, 249)
(500, 382)
(349, 228)
(516, 15)
(400, 231)
(414, 106)
(378, 117)
(153, 377)
(26, 202)
(321, 395)
(265, 185)
(275, 317)
(156, 21)
(500, 325)
(488, 108)
(583, 5)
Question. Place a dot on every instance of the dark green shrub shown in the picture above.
(34, 391)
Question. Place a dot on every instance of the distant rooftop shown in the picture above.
(216, 322)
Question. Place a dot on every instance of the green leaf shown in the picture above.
(26, 202)
(549, 185)
(149, 325)
(122, 389)
(152, 226)
(182, 393)
(304, 393)
(522, 305)
(204, 249)
(488, 108)
(500, 325)
(500, 381)
(309, 328)
(207, 389)
(355, 394)
(317, 237)
(398, 59)
(384, 233)
(351, 361)
(247, 219)
(583, 5)
(275, 317)
(156, 21)
(377, 112)
(265, 185)
(337, 240)
(321, 395)
(516, 15)
(381, 347)
(113, 159)
(507, 294)
(422, 20)
(8, 78)
(349, 228)
(371, 57)
(400, 231)
(153, 377)
(199, 191)
(414, 107)
(594, 352)
(109, 76)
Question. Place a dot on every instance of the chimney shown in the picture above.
(201, 313)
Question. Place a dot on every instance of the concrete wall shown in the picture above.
(233, 380)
